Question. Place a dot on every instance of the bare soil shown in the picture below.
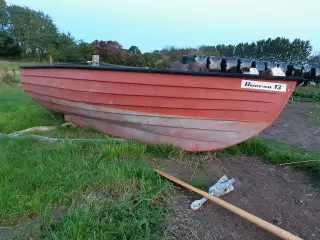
(298, 124)
(280, 195)
(283, 196)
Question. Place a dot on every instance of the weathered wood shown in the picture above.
(186, 110)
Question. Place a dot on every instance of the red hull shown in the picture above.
(195, 112)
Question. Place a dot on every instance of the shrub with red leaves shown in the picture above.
(109, 51)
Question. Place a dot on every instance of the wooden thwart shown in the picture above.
(248, 216)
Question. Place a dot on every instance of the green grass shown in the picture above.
(271, 151)
(14, 65)
(279, 153)
(13, 68)
(71, 132)
(18, 112)
(306, 94)
(275, 153)
(103, 190)
(307, 90)
(100, 190)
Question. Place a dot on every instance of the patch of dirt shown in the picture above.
(298, 125)
(279, 195)
(24, 226)
(28, 226)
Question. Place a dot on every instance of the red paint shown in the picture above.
(197, 113)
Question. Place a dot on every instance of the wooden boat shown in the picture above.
(197, 111)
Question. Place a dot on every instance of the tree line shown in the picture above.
(274, 50)
(31, 34)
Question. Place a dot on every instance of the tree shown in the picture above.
(65, 39)
(21, 26)
(259, 54)
(208, 50)
(278, 49)
(132, 59)
(4, 17)
(134, 49)
(47, 33)
(300, 51)
(275, 50)
(245, 50)
(33, 30)
(220, 48)
(156, 60)
(239, 50)
(109, 51)
(66, 48)
(175, 54)
(69, 50)
(225, 50)
(85, 51)
(314, 60)
(8, 47)
(251, 50)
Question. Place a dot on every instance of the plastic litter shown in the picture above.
(222, 187)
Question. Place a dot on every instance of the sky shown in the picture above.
(151, 24)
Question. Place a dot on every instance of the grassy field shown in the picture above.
(95, 192)
(14, 65)
(100, 189)
(306, 94)
(105, 190)
(307, 90)
(19, 111)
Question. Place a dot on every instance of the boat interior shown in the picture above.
(246, 66)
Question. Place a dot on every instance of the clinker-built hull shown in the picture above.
(197, 111)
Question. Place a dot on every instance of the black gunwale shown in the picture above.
(160, 71)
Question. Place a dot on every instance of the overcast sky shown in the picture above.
(151, 24)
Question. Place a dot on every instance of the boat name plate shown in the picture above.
(268, 86)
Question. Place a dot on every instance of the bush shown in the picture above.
(150, 60)
(306, 94)
(6, 76)
(113, 53)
